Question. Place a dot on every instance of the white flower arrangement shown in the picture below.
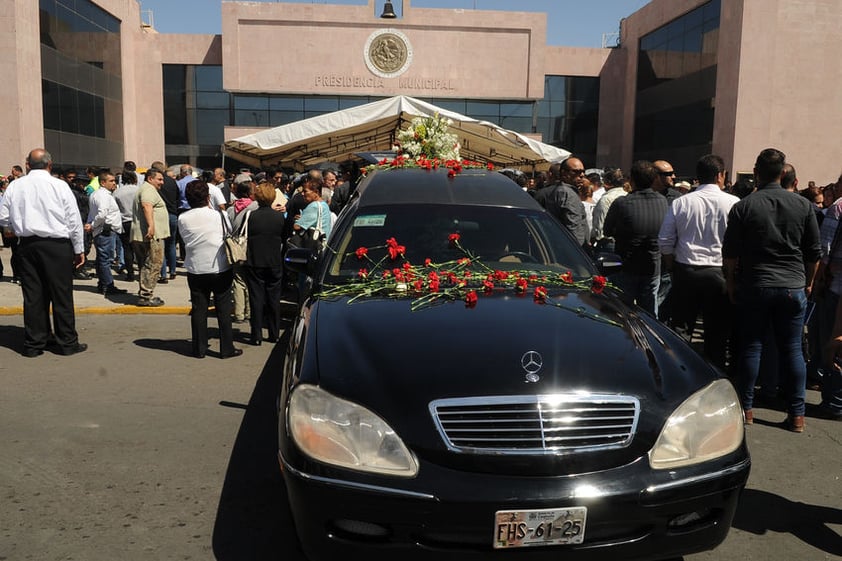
(428, 137)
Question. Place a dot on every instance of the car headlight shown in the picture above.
(709, 424)
(338, 432)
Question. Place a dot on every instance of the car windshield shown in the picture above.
(498, 237)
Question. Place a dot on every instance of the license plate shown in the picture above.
(549, 526)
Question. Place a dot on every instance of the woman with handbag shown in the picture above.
(312, 227)
(264, 265)
(208, 272)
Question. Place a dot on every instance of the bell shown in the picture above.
(388, 11)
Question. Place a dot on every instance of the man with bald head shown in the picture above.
(665, 185)
(560, 196)
(42, 212)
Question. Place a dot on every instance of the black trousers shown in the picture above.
(701, 290)
(45, 266)
(128, 250)
(265, 286)
(201, 289)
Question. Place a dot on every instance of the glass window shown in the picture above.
(286, 103)
(174, 76)
(209, 78)
(51, 105)
(69, 109)
(277, 118)
(251, 102)
(210, 125)
(555, 88)
(248, 118)
(87, 114)
(455, 105)
(346, 102)
(321, 104)
(212, 100)
(516, 110)
(486, 110)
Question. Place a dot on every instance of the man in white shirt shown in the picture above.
(105, 223)
(690, 241)
(42, 213)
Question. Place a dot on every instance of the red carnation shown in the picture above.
(471, 299)
(598, 285)
(361, 252)
(567, 277)
(540, 294)
(487, 286)
(520, 285)
(362, 273)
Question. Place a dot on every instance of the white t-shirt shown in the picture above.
(201, 230)
(216, 197)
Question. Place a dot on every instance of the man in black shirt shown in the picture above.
(634, 222)
(169, 192)
(771, 251)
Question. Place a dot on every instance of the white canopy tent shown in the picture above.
(338, 136)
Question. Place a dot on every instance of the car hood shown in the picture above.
(395, 361)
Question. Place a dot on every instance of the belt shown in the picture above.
(697, 267)
(27, 239)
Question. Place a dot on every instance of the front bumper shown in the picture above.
(634, 513)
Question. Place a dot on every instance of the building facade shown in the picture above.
(95, 86)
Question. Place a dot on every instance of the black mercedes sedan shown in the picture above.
(462, 382)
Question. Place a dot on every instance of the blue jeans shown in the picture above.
(169, 248)
(639, 289)
(105, 245)
(782, 311)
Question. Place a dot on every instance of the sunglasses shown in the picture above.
(666, 173)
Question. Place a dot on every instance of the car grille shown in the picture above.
(536, 424)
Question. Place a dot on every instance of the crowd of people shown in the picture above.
(757, 263)
(143, 226)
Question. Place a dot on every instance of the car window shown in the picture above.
(501, 238)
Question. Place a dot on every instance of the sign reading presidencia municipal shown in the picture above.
(387, 54)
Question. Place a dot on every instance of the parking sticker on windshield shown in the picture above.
(370, 220)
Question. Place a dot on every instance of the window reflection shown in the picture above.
(676, 80)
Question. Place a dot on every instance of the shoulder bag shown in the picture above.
(312, 238)
(235, 244)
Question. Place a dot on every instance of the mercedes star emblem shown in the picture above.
(531, 361)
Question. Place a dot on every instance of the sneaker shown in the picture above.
(163, 280)
(150, 302)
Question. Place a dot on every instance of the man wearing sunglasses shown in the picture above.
(665, 185)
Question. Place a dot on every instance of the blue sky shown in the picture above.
(572, 23)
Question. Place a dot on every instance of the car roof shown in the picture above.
(421, 186)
